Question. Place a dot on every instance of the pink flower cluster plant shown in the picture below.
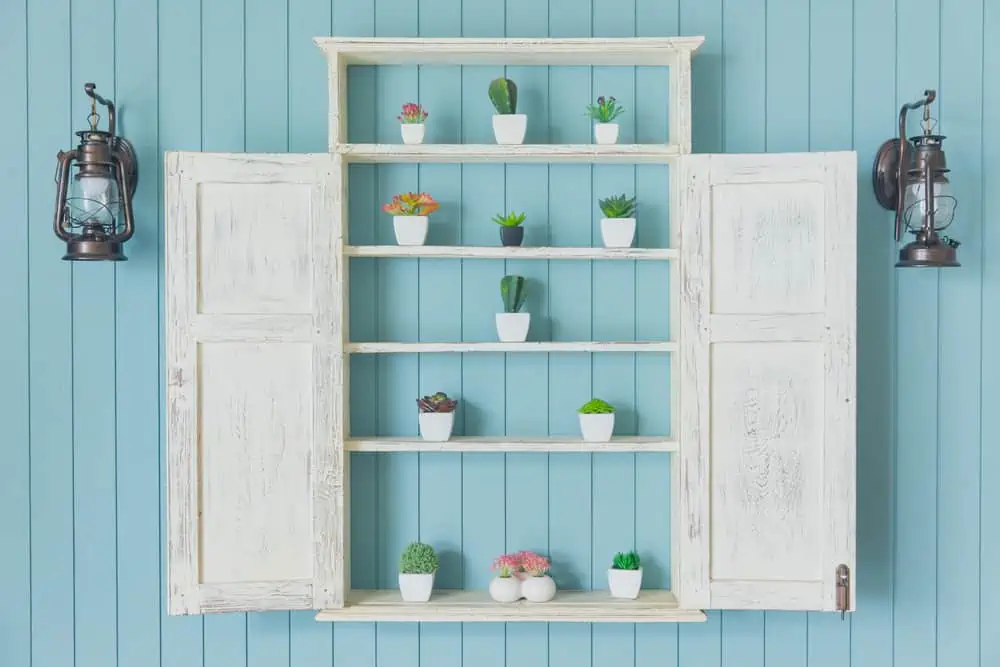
(412, 113)
(523, 562)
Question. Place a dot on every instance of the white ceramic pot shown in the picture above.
(410, 229)
(625, 583)
(538, 589)
(505, 589)
(436, 426)
(413, 133)
(617, 232)
(509, 128)
(597, 428)
(513, 327)
(606, 133)
(416, 587)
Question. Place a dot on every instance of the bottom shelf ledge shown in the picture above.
(652, 606)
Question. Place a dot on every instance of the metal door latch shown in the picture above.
(843, 589)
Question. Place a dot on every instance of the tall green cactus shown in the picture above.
(513, 293)
(503, 94)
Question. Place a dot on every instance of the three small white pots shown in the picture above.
(625, 583)
(505, 589)
(513, 327)
(509, 129)
(416, 587)
(410, 229)
(597, 427)
(617, 232)
(606, 133)
(436, 426)
(413, 133)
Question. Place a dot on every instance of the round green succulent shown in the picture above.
(596, 406)
(418, 558)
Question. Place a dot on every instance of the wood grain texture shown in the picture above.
(509, 252)
(497, 444)
(553, 346)
(538, 153)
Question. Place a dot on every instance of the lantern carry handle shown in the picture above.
(928, 98)
(91, 90)
(66, 159)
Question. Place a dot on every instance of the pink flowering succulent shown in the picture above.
(411, 203)
(534, 564)
(506, 565)
(411, 114)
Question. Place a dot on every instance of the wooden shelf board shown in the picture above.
(472, 606)
(473, 51)
(502, 252)
(547, 346)
(504, 444)
(541, 153)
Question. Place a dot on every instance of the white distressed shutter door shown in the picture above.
(768, 254)
(255, 376)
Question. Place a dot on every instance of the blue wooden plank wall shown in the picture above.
(81, 451)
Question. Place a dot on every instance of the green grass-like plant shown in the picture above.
(596, 406)
(418, 558)
(509, 220)
(626, 561)
(617, 206)
(606, 109)
(513, 293)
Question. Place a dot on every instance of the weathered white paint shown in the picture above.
(255, 517)
(510, 252)
(547, 346)
(500, 444)
(477, 606)
(679, 102)
(489, 51)
(767, 401)
(537, 153)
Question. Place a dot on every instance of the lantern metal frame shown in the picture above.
(899, 161)
(101, 154)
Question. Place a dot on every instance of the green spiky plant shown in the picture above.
(625, 561)
(596, 406)
(418, 558)
(503, 95)
(513, 293)
(617, 206)
(509, 220)
(606, 109)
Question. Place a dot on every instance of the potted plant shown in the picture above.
(597, 420)
(625, 576)
(603, 114)
(417, 566)
(512, 324)
(508, 125)
(511, 231)
(506, 586)
(437, 417)
(409, 212)
(618, 223)
(536, 584)
(411, 123)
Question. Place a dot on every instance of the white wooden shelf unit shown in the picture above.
(762, 282)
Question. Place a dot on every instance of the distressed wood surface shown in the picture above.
(509, 252)
(767, 359)
(472, 51)
(255, 501)
(499, 444)
(524, 153)
(477, 606)
(549, 346)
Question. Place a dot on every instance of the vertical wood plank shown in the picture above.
(50, 355)
(744, 72)
(15, 498)
(785, 639)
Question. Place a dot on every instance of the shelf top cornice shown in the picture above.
(486, 51)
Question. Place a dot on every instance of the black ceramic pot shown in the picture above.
(511, 235)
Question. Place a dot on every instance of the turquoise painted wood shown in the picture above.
(81, 346)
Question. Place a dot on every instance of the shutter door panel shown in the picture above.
(255, 506)
(768, 379)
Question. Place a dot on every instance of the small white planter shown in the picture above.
(416, 587)
(413, 133)
(436, 426)
(505, 589)
(597, 428)
(410, 229)
(538, 589)
(617, 232)
(606, 133)
(625, 583)
(509, 128)
(513, 327)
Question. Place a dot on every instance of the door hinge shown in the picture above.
(843, 589)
